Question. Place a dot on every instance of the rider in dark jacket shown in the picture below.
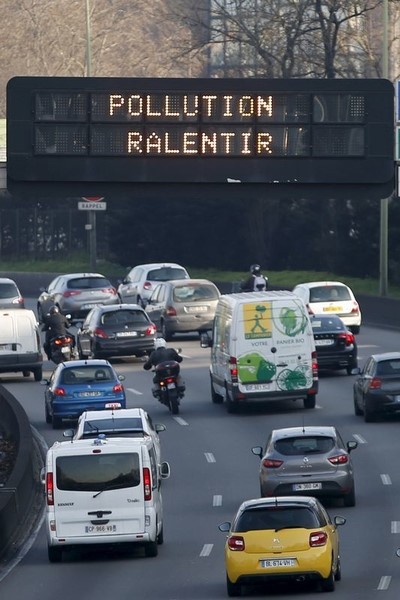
(55, 325)
(255, 282)
(160, 354)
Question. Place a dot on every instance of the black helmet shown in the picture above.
(255, 269)
(53, 310)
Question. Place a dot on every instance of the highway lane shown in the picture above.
(213, 470)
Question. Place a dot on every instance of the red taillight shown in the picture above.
(167, 380)
(236, 542)
(268, 463)
(58, 391)
(118, 387)
(50, 489)
(151, 330)
(109, 290)
(170, 311)
(70, 293)
(318, 538)
(375, 383)
(146, 483)
(355, 310)
(147, 285)
(340, 459)
(233, 367)
(314, 364)
(65, 341)
(348, 338)
(98, 332)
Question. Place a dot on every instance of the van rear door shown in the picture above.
(99, 493)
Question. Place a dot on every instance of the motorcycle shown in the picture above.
(62, 348)
(167, 386)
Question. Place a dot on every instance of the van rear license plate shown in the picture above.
(298, 487)
(257, 387)
(95, 529)
(272, 563)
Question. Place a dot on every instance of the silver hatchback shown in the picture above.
(308, 461)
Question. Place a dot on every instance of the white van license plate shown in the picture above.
(93, 529)
(257, 387)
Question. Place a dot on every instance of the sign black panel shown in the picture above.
(258, 131)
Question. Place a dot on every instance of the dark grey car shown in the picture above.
(308, 461)
(376, 390)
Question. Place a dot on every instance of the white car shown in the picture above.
(139, 283)
(120, 422)
(331, 297)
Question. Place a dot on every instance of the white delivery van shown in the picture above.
(103, 491)
(20, 348)
(262, 348)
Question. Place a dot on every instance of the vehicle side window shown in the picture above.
(135, 275)
(53, 284)
(154, 468)
(369, 367)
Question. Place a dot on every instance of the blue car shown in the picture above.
(80, 385)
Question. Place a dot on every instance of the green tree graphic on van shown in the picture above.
(294, 379)
(253, 368)
(291, 321)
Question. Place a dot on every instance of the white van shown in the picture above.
(103, 491)
(262, 348)
(20, 348)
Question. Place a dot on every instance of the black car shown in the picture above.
(120, 330)
(335, 344)
(376, 390)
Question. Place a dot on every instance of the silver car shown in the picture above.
(139, 283)
(183, 306)
(308, 461)
(10, 296)
(76, 294)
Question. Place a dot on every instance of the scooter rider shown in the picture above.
(256, 282)
(55, 325)
(163, 354)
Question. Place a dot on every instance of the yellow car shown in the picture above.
(287, 538)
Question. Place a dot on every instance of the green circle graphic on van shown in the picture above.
(253, 368)
(291, 321)
(294, 379)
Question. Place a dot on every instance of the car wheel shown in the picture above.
(357, 410)
(151, 549)
(38, 374)
(40, 315)
(26, 373)
(47, 414)
(174, 406)
(54, 553)
(355, 329)
(233, 589)
(310, 401)
(369, 415)
(338, 574)
(166, 334)
(56, 422)
(92, 353)
(350, 498)
(160, 537)
(328, 584)
(231, 406)
(216, 398)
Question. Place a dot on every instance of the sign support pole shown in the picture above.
(92, 241)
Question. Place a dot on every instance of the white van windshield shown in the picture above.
(97, 472)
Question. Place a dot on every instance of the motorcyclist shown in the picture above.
(162, 354)
(256, 282)
(56, 324)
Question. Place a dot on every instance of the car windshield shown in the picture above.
(388, 367)
(89, 374)
(131, 318)
(166, 274)
(97, 472)
(88, 283)
(297, 446)
(195, 293)
(276, 517)
(8, 290)
(329, 293)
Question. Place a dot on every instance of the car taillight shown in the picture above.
(269, 463)
(167, 380)
(99, 332)
(70, 293)
(340, 459)
(233, 367)
(58, 391)
(65, 341)
(348, 338)
(118, 387)
(355, 310)
(318, 538)
(147, 285)
(236, 542)
(375, 383)
(109, 290)
(18, 301)
(146, 483)
(314, 364)
(151, 330)
(50, 489)
(170, 311)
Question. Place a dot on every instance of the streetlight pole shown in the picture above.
(383, 247)
(92, 213)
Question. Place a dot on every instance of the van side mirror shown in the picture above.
(205, 340)
(165, 470)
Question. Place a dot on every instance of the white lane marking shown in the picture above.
(135, 391)
(395, 527)
(384, 582)
(217, 500)
(180, 421)
(367, 346)
(210, 458)
(206, 550)
(359, 438)
(386, 479)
